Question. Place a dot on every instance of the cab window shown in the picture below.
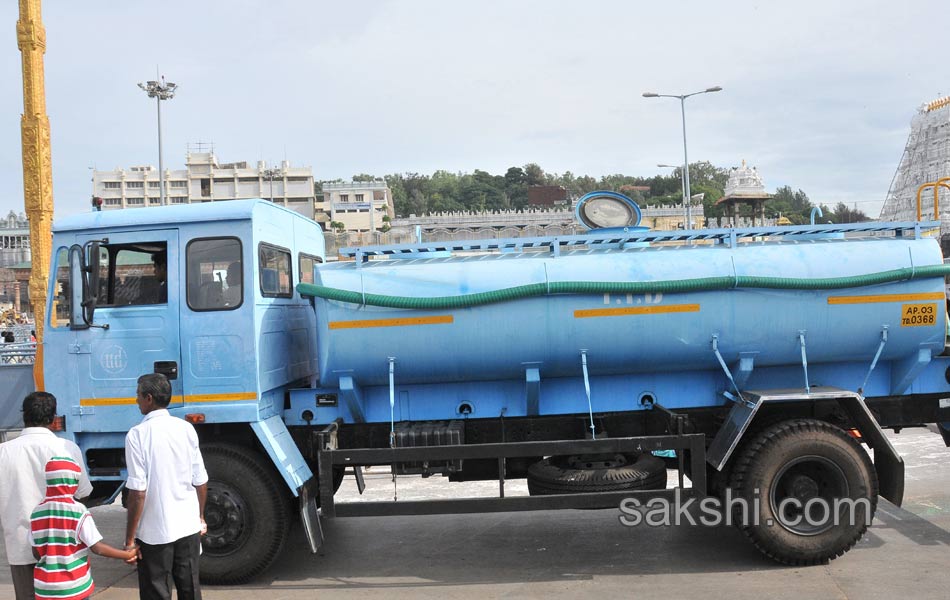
(59, 313)
(276, 280)
(306, 264)
(133, 274)
(215, 274)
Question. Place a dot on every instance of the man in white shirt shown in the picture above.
(23, 468)
(167, 488)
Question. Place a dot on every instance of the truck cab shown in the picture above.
(203, 294)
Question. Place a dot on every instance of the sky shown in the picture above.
(817, 95)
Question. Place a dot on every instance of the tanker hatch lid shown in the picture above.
(607, 210)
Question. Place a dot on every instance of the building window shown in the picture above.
(344, 198)
(178, 199)
(298, 179)
(133, 184)
(179, 184)
(135, 201)
(154, 201)
(153, 184)
(215, 274)
(275, 276)
(205, 187)
(113, 201)
(113, 185)
(224, 180)
(359, 197)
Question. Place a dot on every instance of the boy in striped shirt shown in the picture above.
(61, 533)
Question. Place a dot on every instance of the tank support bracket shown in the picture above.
(744, 368)
(353, 396)
(532, 390)
(722, 363)
(590, 406)
(904, 372)
(801, 339)
(877, 356)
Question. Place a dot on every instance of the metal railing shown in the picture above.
(18, 353)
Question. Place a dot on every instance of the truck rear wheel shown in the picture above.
(596, 473)
(808, 491)
(248, 512)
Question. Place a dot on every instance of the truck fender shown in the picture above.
(887, 462)
(283, 452)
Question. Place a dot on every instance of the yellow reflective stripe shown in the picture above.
(195, 398)
(884, 298)
(635, 310)
(436, 320)
(189, 399)
(106, 401)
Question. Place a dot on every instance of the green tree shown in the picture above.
(794, 205)
(843, 214)
(533, 174)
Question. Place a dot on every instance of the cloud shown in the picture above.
(818, 95)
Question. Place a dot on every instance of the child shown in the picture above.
(62, 532)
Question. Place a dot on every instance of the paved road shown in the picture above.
(906, 553)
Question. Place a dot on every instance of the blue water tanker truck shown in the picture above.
(763, 362)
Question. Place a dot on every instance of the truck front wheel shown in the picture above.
(248, 512)
(804, 491)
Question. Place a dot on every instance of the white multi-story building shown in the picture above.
(14, 239)
(359, 205)
(205, 180)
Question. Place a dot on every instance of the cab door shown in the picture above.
(134, 330)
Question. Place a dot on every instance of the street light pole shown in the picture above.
(160, 91)
(683, 188)
(271, 174)
(686, 192)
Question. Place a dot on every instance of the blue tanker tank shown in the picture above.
(670, 315)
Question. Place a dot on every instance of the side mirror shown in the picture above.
(77, 289)
(91, 271)
(85, 273)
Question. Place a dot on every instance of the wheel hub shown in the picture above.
(596, 461)
(225, 516)
(803, 494)
(804, 487)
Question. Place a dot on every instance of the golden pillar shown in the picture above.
(37, 164)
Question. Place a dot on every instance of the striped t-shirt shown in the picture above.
(62, 572)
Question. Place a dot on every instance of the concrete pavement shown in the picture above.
(906, 553)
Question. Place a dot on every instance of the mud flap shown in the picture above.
(887, 462)
(310, 519)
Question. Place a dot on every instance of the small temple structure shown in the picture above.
(745, 186)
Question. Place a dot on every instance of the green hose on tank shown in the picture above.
(703, 284)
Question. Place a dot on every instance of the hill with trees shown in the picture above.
(479, 191)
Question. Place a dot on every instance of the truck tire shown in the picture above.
(785, 467)
(248, 512)
(598, 473)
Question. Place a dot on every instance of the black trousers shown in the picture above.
(22, 581)
(177, 561)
